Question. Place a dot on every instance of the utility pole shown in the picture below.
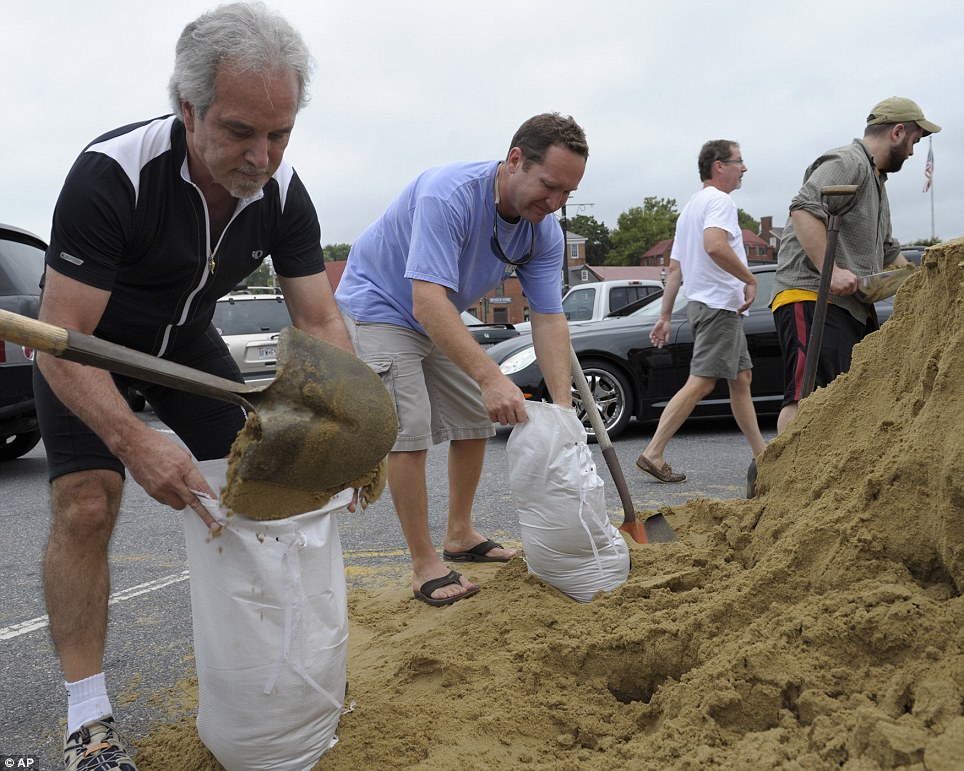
(565, 252)
(564, 221)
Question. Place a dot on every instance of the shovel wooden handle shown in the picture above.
(94, 352)
(602, 436)
(839, 190)
(33, 334)
(815, 335)
(655, 529)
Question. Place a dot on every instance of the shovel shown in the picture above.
(848, 194)
(815, 338)
(655, 529)
(325, 419)
(880, 286)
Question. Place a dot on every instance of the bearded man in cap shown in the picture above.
(865, 244)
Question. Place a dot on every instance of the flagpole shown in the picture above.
(929, 180)
(930, 153)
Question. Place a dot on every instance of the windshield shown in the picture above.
(20, 268)
(578, 304)
(249, 317)
(652, 311)
(764, 287)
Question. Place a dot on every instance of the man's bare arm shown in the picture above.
(550, 335)
(717, 245)
(811, 232)
(312, 307)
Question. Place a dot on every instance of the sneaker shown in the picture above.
(97, 746)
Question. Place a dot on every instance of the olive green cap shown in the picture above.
(898, 109)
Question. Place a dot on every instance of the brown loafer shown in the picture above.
(666, 475)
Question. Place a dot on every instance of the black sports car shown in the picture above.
(488, 334)
(631, 378)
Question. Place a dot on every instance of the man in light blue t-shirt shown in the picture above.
(709, 261)
(452, 235)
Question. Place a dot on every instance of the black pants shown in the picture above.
(841, 332)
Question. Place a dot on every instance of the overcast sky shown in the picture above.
(402, 85)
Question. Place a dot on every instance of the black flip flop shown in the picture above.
(424, 592)
(476, 553)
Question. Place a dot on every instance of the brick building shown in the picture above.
(758, 250)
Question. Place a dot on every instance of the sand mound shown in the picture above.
(818, 626)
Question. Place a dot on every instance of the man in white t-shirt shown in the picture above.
(709, 261)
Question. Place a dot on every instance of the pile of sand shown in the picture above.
(817, 626)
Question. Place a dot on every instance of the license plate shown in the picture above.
(267, 352)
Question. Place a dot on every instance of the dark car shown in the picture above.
(631, 378)
(21, 266)
(488, 334)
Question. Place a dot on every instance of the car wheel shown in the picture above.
(14, 446)
(613, 395)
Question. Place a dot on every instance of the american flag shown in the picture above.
(929, 169)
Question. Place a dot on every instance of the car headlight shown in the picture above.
(518, 361)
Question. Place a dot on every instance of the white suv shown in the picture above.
(250, 325)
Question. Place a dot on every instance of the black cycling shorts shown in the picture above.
(841, 332)
(207, 427)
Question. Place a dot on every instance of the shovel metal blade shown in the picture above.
(324, 420)
(653, 529)
(880, 286)
(658, 530)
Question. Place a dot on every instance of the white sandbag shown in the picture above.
(568, 539)
(270, 615)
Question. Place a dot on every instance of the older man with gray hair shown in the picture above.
(155, 222)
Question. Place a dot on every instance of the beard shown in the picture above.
(240, 185)
(895, 160)
(896, 157)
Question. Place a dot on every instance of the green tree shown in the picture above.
(336, 252)
(599, 240)
(747, 222)
(640, 228)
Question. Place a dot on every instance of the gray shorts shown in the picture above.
(719, 347)
(434, 399)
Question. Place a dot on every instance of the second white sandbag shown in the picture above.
(568, 539)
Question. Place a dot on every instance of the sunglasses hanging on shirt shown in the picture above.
(496, 246)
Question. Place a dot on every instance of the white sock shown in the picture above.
(86, 700)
